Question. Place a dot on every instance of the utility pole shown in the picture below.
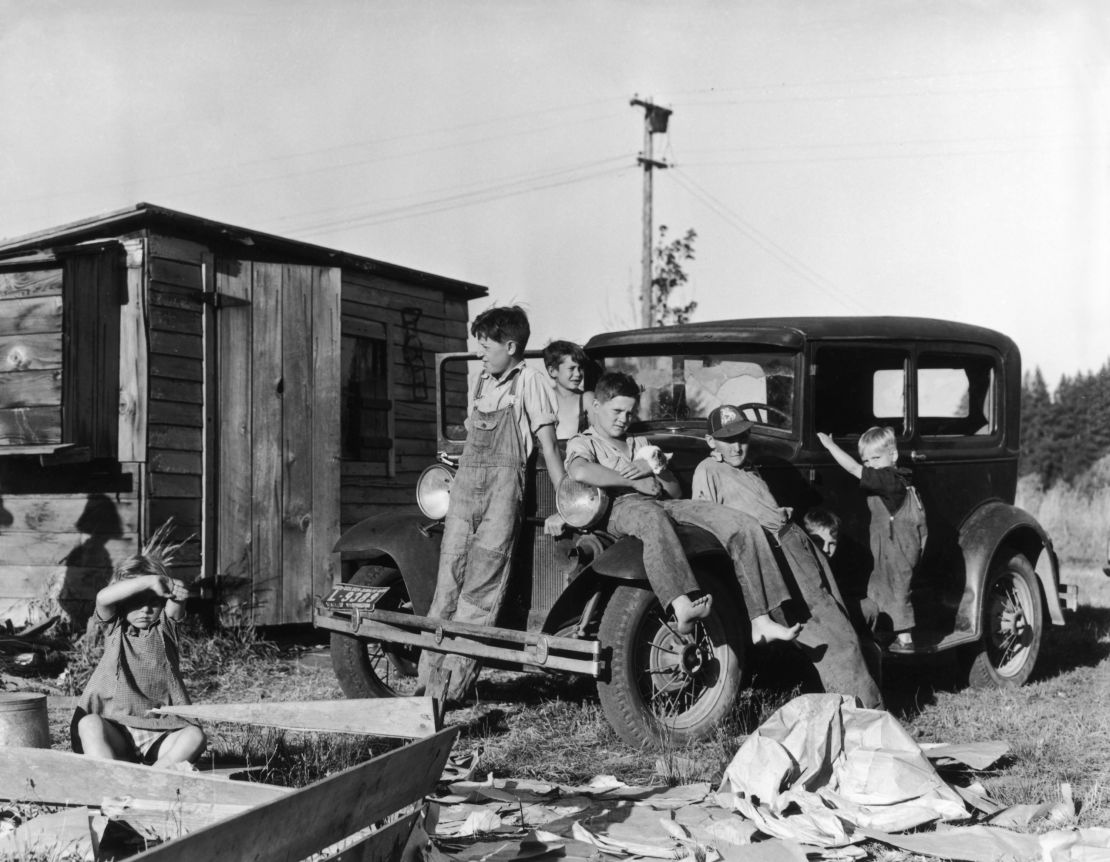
(655, 122)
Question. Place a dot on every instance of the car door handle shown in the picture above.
(917, 456)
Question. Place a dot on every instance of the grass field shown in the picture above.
(549, 727)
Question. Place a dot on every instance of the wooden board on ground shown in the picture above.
(400, 717)
(323, 813)
(62, 778)
(63, 834)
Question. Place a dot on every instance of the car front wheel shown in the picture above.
(663, 686)
(372, 668)
(1012, 626)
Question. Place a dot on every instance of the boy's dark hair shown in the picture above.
(822, 519)
(616, 384)
(503, 323)
(557, 351)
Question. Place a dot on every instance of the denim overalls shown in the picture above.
(897, 541)
(480, 530)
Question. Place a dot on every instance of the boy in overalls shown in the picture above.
(510, 407)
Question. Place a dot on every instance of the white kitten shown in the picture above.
(655, 457)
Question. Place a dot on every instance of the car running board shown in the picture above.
(482, 642)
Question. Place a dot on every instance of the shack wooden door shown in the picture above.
(277, 355)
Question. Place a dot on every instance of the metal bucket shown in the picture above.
(23, 720)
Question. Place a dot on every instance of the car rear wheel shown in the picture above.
(1012, 626)
(372, 668)
(662, 686)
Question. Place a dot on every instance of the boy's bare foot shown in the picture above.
(687, 610)
(765, 629)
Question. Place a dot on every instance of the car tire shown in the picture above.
(659, 690)
(1012, 626)
(371, 668)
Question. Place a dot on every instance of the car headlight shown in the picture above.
(581, 505)
(433, 491)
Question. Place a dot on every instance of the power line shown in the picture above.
(476, 185)
(455, 144)
(450, 203)
(763, 241)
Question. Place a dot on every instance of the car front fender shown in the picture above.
(624, 559)
(984, 534)
(404, 538)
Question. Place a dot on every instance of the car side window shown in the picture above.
(857, 387)
(956, 395)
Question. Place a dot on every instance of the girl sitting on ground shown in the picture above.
(139, 612)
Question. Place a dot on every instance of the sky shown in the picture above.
(940, 159)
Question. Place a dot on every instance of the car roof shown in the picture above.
(793, 332)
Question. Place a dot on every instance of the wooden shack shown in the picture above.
(264, 393)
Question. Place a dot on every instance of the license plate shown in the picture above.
(355, 596)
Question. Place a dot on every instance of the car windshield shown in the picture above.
(686, 387)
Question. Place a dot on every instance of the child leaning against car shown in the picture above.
(510, 412)
(644, 506)
(898, 530)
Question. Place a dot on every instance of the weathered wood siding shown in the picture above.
(278, 357)
(175, 406)
(31, 357)
(62, 527)
(371, 487)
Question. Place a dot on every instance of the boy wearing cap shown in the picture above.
(726, 477)
(644, 506)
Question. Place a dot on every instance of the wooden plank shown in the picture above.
(34, 351)
(164, 819)
(298, 285)
(176, 344)
(169, 389)
(31, 388)
(133, 382)
(176, 413)
(172, 437)
(40, 582)
(176, 249)
(385, 845)
(61, 778)
(179, 320)
(38, 314)
(185, 512)
(175, 485)
(54, 549)
(175, 272)
(399, 717)
(321, 814)
(266, 473)
(209, 493)
(24, 476)
(171, 296)
(326, 322)
(177, 367)
(28, 426)
(63, 513)
(168, 461)
(234, 528)
(30, 283)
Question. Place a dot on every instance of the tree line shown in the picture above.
(1063, 434)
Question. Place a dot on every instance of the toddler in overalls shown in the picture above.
(510, 408)
(898, 529)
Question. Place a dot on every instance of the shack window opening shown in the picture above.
(365, 403)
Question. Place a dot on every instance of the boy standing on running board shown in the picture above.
(510, 410)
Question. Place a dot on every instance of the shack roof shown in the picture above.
(145, 216)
